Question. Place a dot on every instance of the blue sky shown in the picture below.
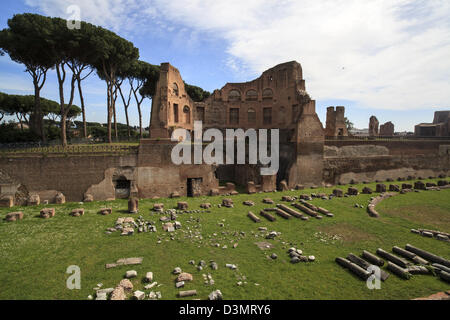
(388, 58)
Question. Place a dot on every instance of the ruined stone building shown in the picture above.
(335, 125)
(439, 128)
(276, 100)
(387, 129)
(373, 126)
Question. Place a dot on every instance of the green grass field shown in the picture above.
(35, 253)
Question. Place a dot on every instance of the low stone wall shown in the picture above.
(381, 168)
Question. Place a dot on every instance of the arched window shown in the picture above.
(187, 114)
(175, 89)
(251, 116)
(234, 95)
(267, 94)
(251, 95)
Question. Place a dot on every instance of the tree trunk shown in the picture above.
(116, 133)
(141, 135)
(83, 112)
(63, 130)
(109, 111)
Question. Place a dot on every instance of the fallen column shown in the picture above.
(305, 210)
(365, 265)
(290, 210)
(325, 212)
(427, 255)
(402, 273)
(283, 214)
(188, 293)
(441, 267)
(388, 256)
(360, 272)
(268, 216)
(418, 270)
(372, 258)
(309, 205)
(407, 254)
(252, 216)
(444, 276)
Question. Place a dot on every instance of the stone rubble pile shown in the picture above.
(128, 226)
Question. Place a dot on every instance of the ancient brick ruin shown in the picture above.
(439, 128)
(373, 126)
(277, 99)
(387, 129)
(335, 125)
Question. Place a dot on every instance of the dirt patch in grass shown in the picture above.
(424, 214)
(346, 232)
(264, 245)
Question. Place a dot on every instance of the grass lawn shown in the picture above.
(35, 253)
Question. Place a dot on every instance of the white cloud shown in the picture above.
(387, 54)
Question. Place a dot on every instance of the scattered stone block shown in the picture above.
(60, 198)
(394, 188)
(158, 207)
(118, 293)
(126, 285)
(131, 274)
(7, 201)
(177, 270)
(227, 203)
(299, 187)
(108, 211)
(268, 201)
(179, 284)
(352, 191)
(419, 185)
(169, 227)
(215, 295)
(251, 188)
(133, 205)
(184, 276)
(249, 203)
(337, 193)
(366, 190)
(77, 212)
(148, 277)
(138, 295)
(407, 186)
(175, 194)
(182, 205)
(205, 205)
(14, 216)
(47, 213)
(188, 293)
(381, 188)
(33, 200)
(88, 198)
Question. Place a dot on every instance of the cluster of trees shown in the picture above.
(44, 43)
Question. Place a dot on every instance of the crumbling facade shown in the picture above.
(335, 124)
(373, 126)
(276, 100)
(387, 129)
(439, 128)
